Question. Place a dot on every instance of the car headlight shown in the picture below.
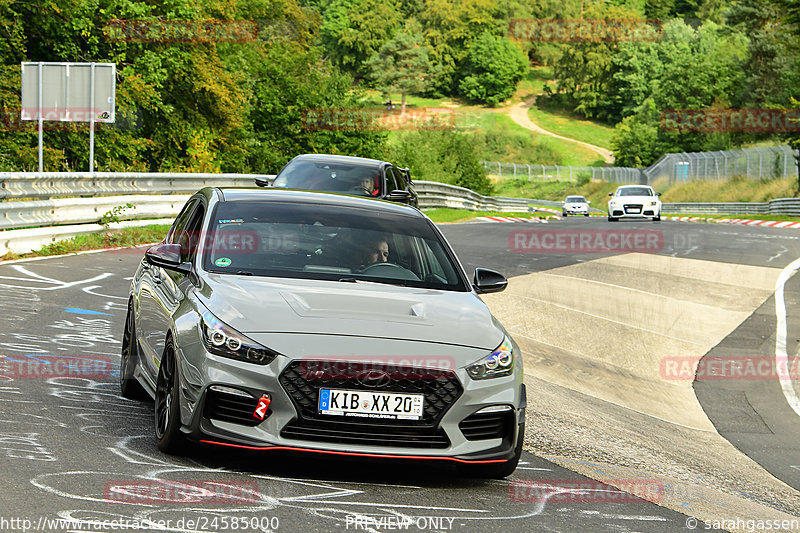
(497, 364)
(653, 203)
(221, 339)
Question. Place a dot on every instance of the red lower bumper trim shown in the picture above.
(351, 454)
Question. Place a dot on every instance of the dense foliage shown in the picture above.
(218, 104)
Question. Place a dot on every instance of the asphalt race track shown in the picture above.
(69, 447)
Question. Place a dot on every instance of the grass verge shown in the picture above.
(123, 237)
(447, 214)
(571, 125)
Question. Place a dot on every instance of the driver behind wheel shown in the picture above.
(376, 251)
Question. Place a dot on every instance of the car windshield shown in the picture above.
(339, 243)
(635, 191)
(324, 176)
(576, 199)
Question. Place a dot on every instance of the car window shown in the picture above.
(392, 183)
(329, 177)
(322, 242)
(189, 237)
(635, 191)
(181, 220)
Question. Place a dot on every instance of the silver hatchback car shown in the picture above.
(312, 322)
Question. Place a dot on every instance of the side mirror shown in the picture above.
(266, 181)
(611, 194)
(167, 256)
(398, 196)
(658, 194)
(487, 281)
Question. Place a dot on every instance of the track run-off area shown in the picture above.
(656, 401)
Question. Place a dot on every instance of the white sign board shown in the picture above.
(73, 92)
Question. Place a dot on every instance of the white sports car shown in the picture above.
(575, 205)
(634, 201)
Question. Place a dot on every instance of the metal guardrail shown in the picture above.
(86, 210)
(59, 218)
(54, 216)
(435, 194)
(780, 206)
(52, 184)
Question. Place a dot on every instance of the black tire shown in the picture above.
(612, 219)
(129, 387)
(657, 218)
(563, 214)
(496, 470)
(167, 404)
(586, 214)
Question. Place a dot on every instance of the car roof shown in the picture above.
(637, 186)
(268, 194)
(346, 159)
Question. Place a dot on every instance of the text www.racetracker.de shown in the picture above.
(203, 523)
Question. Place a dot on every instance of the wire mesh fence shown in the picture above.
(766, 162)
(562, 173)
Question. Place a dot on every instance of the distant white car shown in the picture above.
(634, 201)
(575, 205)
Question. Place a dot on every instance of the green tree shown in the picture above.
(449, 27)
(444, 156)
(492, 69)
(352, 31)
(401, 65)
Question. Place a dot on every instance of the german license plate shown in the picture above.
(633, 210)
(369, 404)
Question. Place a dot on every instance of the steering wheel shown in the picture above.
(362, 189)
(390, 270)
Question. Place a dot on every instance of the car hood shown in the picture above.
(255, 305)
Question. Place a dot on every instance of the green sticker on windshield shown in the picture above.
(223, 262)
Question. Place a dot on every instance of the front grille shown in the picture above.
(487, 425)
(440, 389)
(366, 434)
(231, 408)
(633, 208)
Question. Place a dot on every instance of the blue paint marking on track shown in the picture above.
(79, 311)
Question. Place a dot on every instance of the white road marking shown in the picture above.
(781, 357)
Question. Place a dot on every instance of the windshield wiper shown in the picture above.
(244, 273)
(401, 282)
